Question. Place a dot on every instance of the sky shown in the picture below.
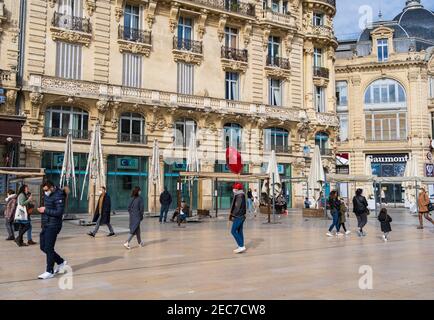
(348, 17)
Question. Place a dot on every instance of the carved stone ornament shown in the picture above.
(115, 120)
(265, 37)
(51, 3)
(247, 31)
(36, 99)
(187, 57)
(277, 73)
(102, 105)
(150, 13)
(320, 82)
(119, 12)
(201, 23)
(134, 47)
(288, 43)
(90, 6)
(173, 17)
(221, 27)
(234, 65)
(9, 107)
(71, 36)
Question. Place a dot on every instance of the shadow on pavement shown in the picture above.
(96, 262)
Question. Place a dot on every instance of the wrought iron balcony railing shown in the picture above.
(62, 133)
(132, 138)
(187, 45)
(234, 54)
(135, 35)
(278, 148)
(279, 62)
(321, 72)
(71, 22)
(233, 6)
(326, 152)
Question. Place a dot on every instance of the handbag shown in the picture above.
(21, 213)
(430, 207)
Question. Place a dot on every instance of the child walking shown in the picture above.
(342, 218)
(385, 221)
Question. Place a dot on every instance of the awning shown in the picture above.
(10, 128)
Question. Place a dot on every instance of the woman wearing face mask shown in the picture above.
(136, 210)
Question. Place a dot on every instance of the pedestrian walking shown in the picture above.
(334, 204)
(238, 216)
(22, 216)
(165, 201)
(360, 209)
(51, 223)
(423, 204)
(256, 202)
(385, 221)
(136, 210)
(102, 213)
(250, 201)
(11, 206)
(342, 217)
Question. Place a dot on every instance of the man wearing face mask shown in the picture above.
(102, 213)
(51, 223)
(238, 216)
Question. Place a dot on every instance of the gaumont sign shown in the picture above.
(388, 158)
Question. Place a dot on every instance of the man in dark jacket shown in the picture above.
(165, 201)
(51, 222)
(238, 216)
(102, 213)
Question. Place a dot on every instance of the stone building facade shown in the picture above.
(385, 97)
(257, 76)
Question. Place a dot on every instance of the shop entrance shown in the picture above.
(390, 193)
(171, 174)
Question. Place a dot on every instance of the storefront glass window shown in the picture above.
(171, 174)
(224, 188)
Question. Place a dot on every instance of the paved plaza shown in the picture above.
(290, 260)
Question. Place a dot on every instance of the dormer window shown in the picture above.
(382, 50)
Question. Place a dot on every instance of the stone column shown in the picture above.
(206, 193)
(308, 75)
(331, 91)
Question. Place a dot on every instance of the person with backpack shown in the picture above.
(423, 204)
(51, 223)
(385, 221)
(165, 201)
(238, 216)
(360, 209)
(11, 206)
(334, 204)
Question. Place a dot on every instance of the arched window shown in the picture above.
(322, 141)
(385, 111)
(184, 128)
(276, 139)
(232, 133)
(132, 128)
(61, 120)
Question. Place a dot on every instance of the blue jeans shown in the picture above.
(335, 223)
(163, 212)
(250, 205)
(47, 242)
(237, 230)
(29, 232)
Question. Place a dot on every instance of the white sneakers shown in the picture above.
(385, 238)
(240, 249)
(329, 234)
(127, 245)
(46, 275)
(347, 232)
(60, 268)
(339, 234)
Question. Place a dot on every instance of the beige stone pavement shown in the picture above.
(290, 260)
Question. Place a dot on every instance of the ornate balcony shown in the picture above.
(230, 6)
(169, 100)
(277, 67)
(187, 50)
(134, 40)
(278, 62)
(321, 34)
(328, 5)
(321, 72)
(132, 138)
(277, 18)
(278, 149)
(234, 59)
(62, 133)
(71, 29)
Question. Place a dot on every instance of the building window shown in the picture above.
(317, 57)
(71, 7)
(273, 47)
(382, 50)
(185, 78)
(431, 87)
(132, 70)
(232, 134)
(61, 120)
(341, 93)
(275, 5)
(131, 128)
(275, 92)
(276, 139)
(386, 126)
(232, 88)
(386, 91)
(319, 99)
(184, 129)
(68, 60)
(185, 28)
(322, 141)
(131, 22)
(343, 127)
(318, 19)
(231, 37)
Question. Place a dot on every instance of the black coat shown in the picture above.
(54, 208)
(165, 198)
(385, 221)
(360, 205)
(106, 209)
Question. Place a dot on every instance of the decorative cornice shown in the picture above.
(187, 56)
(234, 65)
(134, 47)
(71, 36)
(371, 65)
(277, 73)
